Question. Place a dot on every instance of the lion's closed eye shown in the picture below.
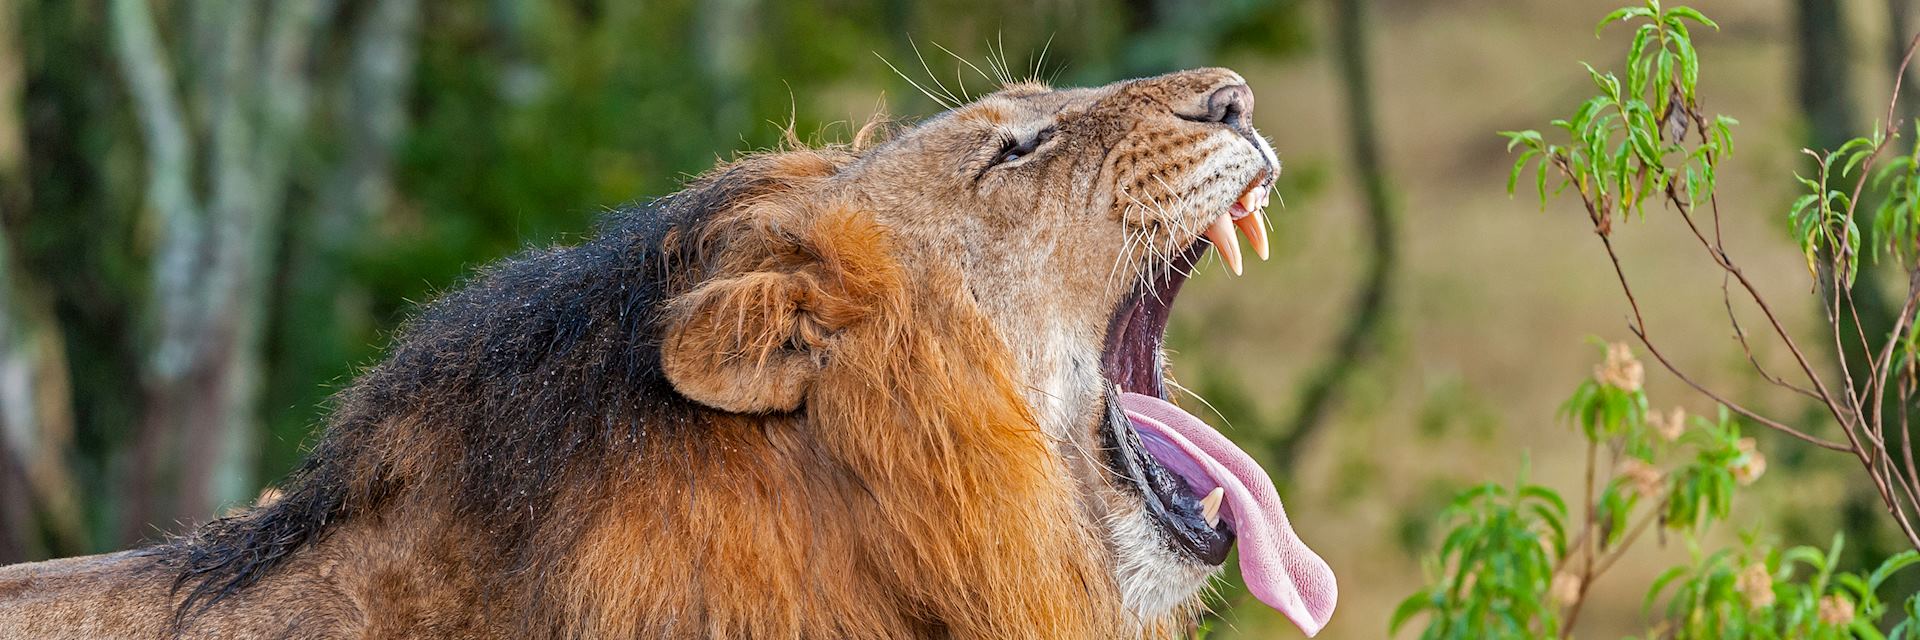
(1015, 148)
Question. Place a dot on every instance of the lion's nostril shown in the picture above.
(1231, 105)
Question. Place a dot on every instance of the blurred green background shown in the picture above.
(215, 210)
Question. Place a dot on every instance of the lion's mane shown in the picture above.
(526, 426)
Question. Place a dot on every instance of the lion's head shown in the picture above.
(906, 389)
(1065, 221)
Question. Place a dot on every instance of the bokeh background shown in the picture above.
(215, 210)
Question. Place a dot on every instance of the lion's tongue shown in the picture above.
(1279, 569)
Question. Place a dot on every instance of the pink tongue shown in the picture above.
(1279, 569)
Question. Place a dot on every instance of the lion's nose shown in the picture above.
(1231, 105)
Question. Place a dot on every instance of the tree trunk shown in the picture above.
(39, 506)
(36, 423)
(371, 109)
(249, 64)
(1368, 313)
(1823, 81)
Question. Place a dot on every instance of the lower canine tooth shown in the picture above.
(1210, 506)
(1220, 233)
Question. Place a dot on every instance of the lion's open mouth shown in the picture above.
(1196, 484)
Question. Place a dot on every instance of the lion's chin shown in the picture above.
(1156, 586)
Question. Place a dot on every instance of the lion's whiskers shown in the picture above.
(999, 65)
(1216, 410)
(1040, 62)
(935, 78)
(1130, 237)
(916, 85)
(969, 63)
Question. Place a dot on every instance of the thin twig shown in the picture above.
(1753, 293)
(1638, 327)
(1589, 545)
(1737, 408)
(1740, 335)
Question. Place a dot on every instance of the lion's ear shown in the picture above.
(748, 343)
(755, 339)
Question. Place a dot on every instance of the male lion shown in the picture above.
(906, 391)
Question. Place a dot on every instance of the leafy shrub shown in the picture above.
(1519, 562)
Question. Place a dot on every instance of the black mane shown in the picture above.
(539, 363)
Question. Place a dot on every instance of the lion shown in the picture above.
(911, 388)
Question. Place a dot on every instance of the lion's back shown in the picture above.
(127, 596)
(115, 595)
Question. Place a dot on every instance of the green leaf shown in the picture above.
(1518, 166)
(1660, 585)
(1530, 137)
(1620, 15)
(1475, 494)
(1801, 205)
(1689, 63)
(1853, 583)
(1637, 64)
(1691, 14)
(1546, 495)
(1891, 566)
(1605, 81)
(1540, 181)
(1554, 523)
(1723, 135)
(1414, 604)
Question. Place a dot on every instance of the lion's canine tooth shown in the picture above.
(1210, 506)
(1220, 233)
(1255, 226)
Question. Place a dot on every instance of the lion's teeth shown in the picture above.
(1220, 233)
(1210, 506)
(1255, 226)
(1253, 200)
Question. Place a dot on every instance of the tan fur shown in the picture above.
(897, 350)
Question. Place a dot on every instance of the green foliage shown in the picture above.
(1896, 222)
(1496, 561)
(1764, 593)
(1515, 565)
(1822, 220)
(1630, 142)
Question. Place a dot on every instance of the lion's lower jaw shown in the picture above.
(1159, 587)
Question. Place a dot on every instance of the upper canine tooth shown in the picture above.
(1255, 226)
(1220, 233)
(1210, 506)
